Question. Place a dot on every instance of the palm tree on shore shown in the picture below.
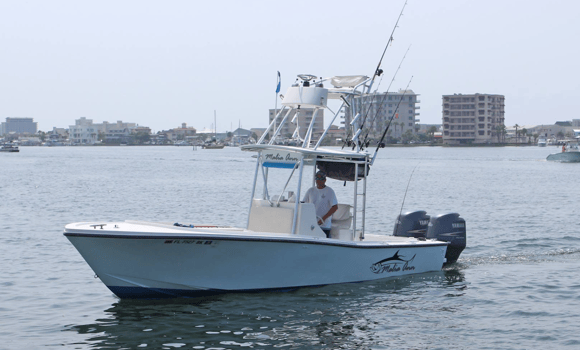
(524, 133)
(517, 126)
(431, 132)
(499, 132)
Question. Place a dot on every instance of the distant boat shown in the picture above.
(213, 144)
(8, 147)
(569, 154)
(542, 142)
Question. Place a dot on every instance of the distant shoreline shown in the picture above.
(464, 146)
(370, 146)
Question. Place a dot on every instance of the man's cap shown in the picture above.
(320, 176)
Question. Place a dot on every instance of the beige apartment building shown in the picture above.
(473, 118)
(379, 108)
(304, 119)
(85, 132)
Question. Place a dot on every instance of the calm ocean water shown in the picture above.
(516, 286)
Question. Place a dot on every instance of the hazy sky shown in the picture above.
(161, 63)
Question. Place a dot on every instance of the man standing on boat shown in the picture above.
(324, 200)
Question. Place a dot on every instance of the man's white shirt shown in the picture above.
(323, 200)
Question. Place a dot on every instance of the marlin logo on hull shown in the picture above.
(395, 263)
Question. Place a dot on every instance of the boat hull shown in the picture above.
(154, 266)
(565, 157)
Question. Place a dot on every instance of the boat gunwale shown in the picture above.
(271, 239)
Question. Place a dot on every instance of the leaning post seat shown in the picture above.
(341, 223)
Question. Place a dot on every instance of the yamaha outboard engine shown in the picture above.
(449, 228)
(412, 224)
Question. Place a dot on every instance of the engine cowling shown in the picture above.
(412, 224)
(449, 228)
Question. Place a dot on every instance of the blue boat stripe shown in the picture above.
(279, 165)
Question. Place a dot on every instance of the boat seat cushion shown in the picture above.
(342, 217)
(271, 219)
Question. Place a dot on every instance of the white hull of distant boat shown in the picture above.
(213, 146)
(565, 157)
(9, 148)
(142, 260)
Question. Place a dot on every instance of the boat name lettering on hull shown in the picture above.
(273, 157)
(187, 241)
(395, 263)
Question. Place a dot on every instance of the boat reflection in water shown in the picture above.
(282, 247)
(349, 315)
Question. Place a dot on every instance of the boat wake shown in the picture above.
(520, 258)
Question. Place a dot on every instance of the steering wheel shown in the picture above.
(318, 218)
(306, 77)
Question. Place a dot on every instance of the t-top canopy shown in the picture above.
(349, 81)
(309, 153)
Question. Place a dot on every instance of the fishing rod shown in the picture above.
(390, 121)
(378, 72)
(405, 196)
(348, 135)
(381, 104)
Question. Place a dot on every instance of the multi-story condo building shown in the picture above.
(379, 108)
(19, 126)
(83, 132)
(86, 132)
(304, 119)
(116, 132)
(180, 133)
(475, 118)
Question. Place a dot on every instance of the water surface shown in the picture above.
(516, 286)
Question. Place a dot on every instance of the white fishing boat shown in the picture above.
(570, 154)
(213, 145)
(282, 246)
(542, 142)
(9, 147)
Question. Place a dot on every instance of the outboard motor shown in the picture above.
(449, 228)
(412, 224)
